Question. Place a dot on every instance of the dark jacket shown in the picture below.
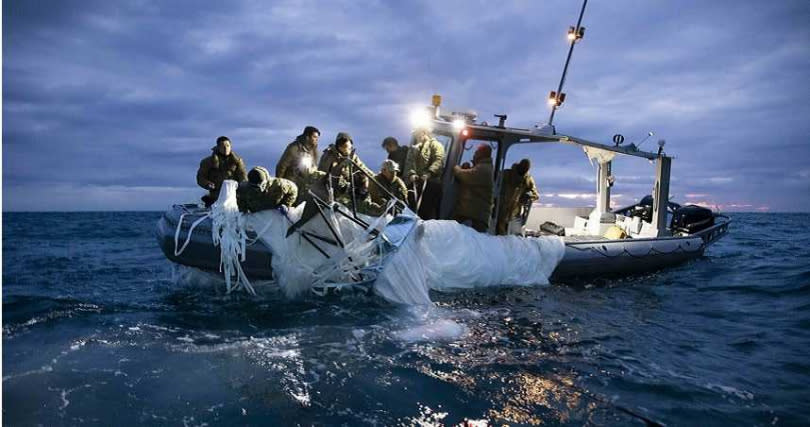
(217, 168)
(400, 155)
(513, 188)
(474, 197)
(279, 191)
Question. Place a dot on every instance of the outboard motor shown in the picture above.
(691, 219)
(644, 209)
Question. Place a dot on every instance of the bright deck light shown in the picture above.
(420, 118)
(458, 124)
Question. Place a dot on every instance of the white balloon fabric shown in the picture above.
(446, 255)
(437, 255)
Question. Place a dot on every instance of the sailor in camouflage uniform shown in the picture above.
(423, 167)
(339, 161)
(517, 186)
(391, 183)
(474, 190)
(222, 164)
(262, 192)
(364, 204)
(298, 163)
(335, 163)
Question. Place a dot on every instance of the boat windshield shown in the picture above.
(471, 145)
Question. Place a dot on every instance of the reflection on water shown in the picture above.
(96, 331)
(528, 399)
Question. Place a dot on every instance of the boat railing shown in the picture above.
(715, 232)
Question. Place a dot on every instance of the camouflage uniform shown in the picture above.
(474, 198)
(426, 160)
(297, 164)
(278, 192)
(365, 205)
(396, 187)
(217, 168)
(341, 168)
(513, 188)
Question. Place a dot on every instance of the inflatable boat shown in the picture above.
(184, 233)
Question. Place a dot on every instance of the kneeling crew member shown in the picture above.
(397, 153)
(364, 204)
(390, 182)
(262, 192)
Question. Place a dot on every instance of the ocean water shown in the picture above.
(98, 329)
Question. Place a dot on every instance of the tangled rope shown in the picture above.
(178, 251)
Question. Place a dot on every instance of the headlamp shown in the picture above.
(306, 163)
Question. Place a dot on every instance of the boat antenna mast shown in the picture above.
(556, 98)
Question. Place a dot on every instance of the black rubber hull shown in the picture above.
(582, 259)
(200, 251)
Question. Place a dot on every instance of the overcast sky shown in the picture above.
(110, 105)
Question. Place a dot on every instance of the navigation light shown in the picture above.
(576, 33)
(554, 100)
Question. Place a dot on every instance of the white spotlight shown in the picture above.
(420, 118)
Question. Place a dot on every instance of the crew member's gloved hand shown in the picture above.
(413, 178)
(211, 186)
(424, 177)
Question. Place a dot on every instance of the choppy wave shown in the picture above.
(97, 330)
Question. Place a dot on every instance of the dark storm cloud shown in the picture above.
(111, 105)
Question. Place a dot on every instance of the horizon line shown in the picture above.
(150, 210)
